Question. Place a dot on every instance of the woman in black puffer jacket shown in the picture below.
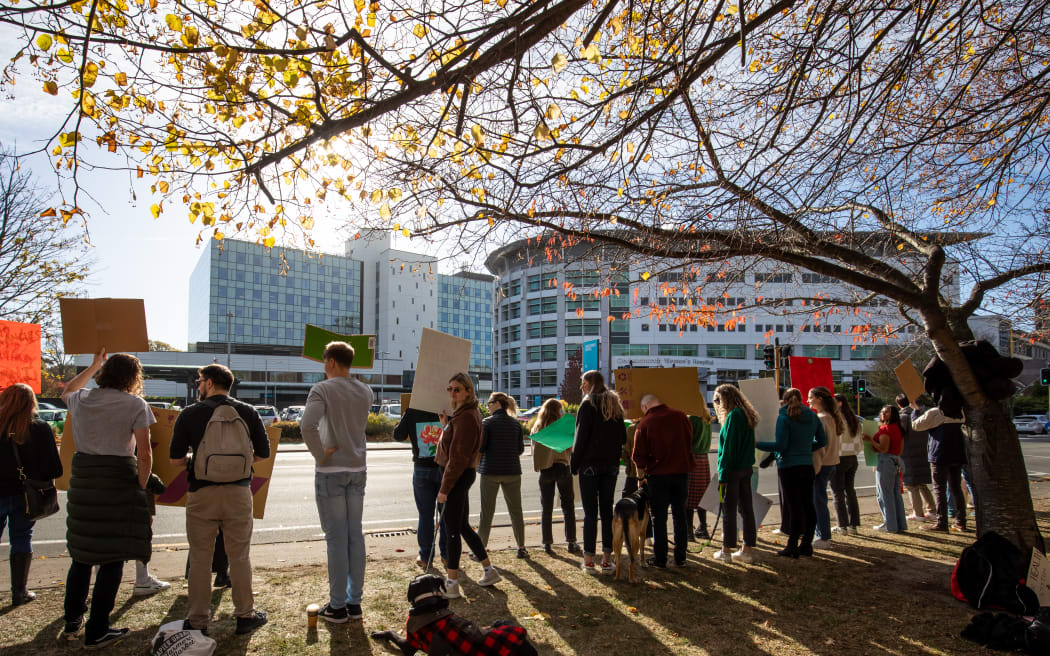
(600, 435)
(502, 443)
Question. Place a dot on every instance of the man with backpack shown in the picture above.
(226, 436)
(333, 429)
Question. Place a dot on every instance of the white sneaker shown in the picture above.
(821, 544)
(853, 530)
(490, 577)
(777, 531)
(744, 556)
(915, 517)
(723, 556)
(151, 586)
(838, 529)
(880, 528)
(452, 589)
(590, 569)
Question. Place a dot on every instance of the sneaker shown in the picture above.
(915, 517)
(250, 623)
(222, 580)
(590, 568)
(881, 528)
(151, 586)
(333, 615)
(939, 528)
(959, 527)
(744, 556)
(788, 552)
(110, 637)
(421, 563)
(777, 531)
(522, 552)
(839, 529)
(452, 589)
(474, 558)
(353, 611)
(490, 577)
(932, 516)
(575, 549)
(681, 563)
(724, 556)
(186, 626)
(701, 534)
(821, 544)
(608, 568)
(852, 530)
(73, 628)
(651, 562)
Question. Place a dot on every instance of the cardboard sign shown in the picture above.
(759, 503)
(678, 387)
(176, 477)
(910, 379)
(19, 354)
(559, 436)
(316, 339)
(116, 324)
(405, 400)
(440, 357)
(807, 373)
(871, 456)
(1039, 577)
(762, 393)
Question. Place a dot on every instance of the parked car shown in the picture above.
(164, 405)
(392, 410)
(268, 414)
(293, 413)
(1035, 424)
(55, 418)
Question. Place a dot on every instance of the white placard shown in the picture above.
(440, 357)
(1039, 577)
(761, 504)
(762, 393)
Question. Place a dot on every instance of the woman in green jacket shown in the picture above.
(736, 458)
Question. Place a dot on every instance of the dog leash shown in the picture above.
(718, 515)
(439, 514)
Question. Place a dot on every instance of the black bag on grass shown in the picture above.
(990, 575)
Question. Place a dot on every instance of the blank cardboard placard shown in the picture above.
(117, 324)
(759, 503)
(678, 387)
(910, 379)
(807, 373)
(19, 354)
(440, 357)
(762, 393)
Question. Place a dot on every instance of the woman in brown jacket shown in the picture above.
(457, 455)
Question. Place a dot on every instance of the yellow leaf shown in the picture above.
(646, 275)
(48, 213)
(377, 195)
(67, 139)
(43, 42)
(624, 115)
(121, 78)
(64, 56)
(419, 30)
(553, 111)
(477, 133)
(394, 194)
(269, 242)
(405, 232)
(384, 211)
(174, 22)
(591, 54)
(542, 132)
(163, 186)
(155, 210)
(90, 74)
(51, 87)
(559, 62)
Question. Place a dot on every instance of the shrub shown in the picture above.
(290, 430)
(379, 425)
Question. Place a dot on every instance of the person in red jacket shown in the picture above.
(664, 455)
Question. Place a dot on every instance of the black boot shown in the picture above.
(20, 579)
(791, 550)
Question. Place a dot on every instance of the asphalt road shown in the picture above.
(292, 516)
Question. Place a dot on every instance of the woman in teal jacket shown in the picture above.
(736, 458)
(799, 433)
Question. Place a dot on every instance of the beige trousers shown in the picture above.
(207, 509)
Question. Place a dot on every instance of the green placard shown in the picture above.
(316, 339)
(559, 435)
(871, 457)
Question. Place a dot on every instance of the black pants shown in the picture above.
(847, 510)
(797, 483)
(785, 512)
(737, 497)
(669, 490)
(457, 520)
(944, 477)
(557, 476)
(102, 598)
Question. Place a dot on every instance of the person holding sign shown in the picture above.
(821, 400)
(888, 442)
(736, 458)
(847, 509)
(554, 473)
(24, 435)
(502, 443)
(458, 454)
(107, 512)
(799, 434)
(596, 449)
(422, 431)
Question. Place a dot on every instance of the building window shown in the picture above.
(867, 352)
(586, 304)
(727, 351)
(772, 277)
(544, 305)
(630, 349)
(816, 278)
(822, 351)
(577, 327)
(689, 350)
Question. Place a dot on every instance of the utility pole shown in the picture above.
(229, 337)
(776, 363)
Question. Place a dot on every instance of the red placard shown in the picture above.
(19, 354)
(807, 373)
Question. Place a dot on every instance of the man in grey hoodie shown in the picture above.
(333, 427)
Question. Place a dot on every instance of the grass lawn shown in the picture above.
(871, 594)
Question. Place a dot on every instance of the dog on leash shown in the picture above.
(434, 629)
(631, 521)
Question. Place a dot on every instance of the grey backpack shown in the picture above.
(225, 452)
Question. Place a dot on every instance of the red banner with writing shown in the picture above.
(19, 354)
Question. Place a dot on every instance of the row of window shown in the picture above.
(549, 352)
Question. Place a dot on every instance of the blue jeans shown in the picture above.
(21, 535)
(820, 501)
(597, 486)
(426, 483)
(340, 503)
(888, 489)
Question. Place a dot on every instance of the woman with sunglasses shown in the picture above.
(596, 449)
(458, 454)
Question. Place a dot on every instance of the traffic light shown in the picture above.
(770, 356)
(854, 383)
(862, 386)
(1044, 376)
(785, 353)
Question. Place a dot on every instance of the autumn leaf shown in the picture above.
(67, 139)
(646, 275)
(394, 194)
(121, 78)
(174, 22)
(48, 213)
(51, 87)
(559, 62)
(43, 42)
(591, 54)
(419, 30)
(155, 209)
(553, 112)
(269, 242)
(384, 211)
(542, 132)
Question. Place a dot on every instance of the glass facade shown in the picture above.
(465, 310)
(271, 294)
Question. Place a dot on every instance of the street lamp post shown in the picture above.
(229, 338)
(379, 355)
